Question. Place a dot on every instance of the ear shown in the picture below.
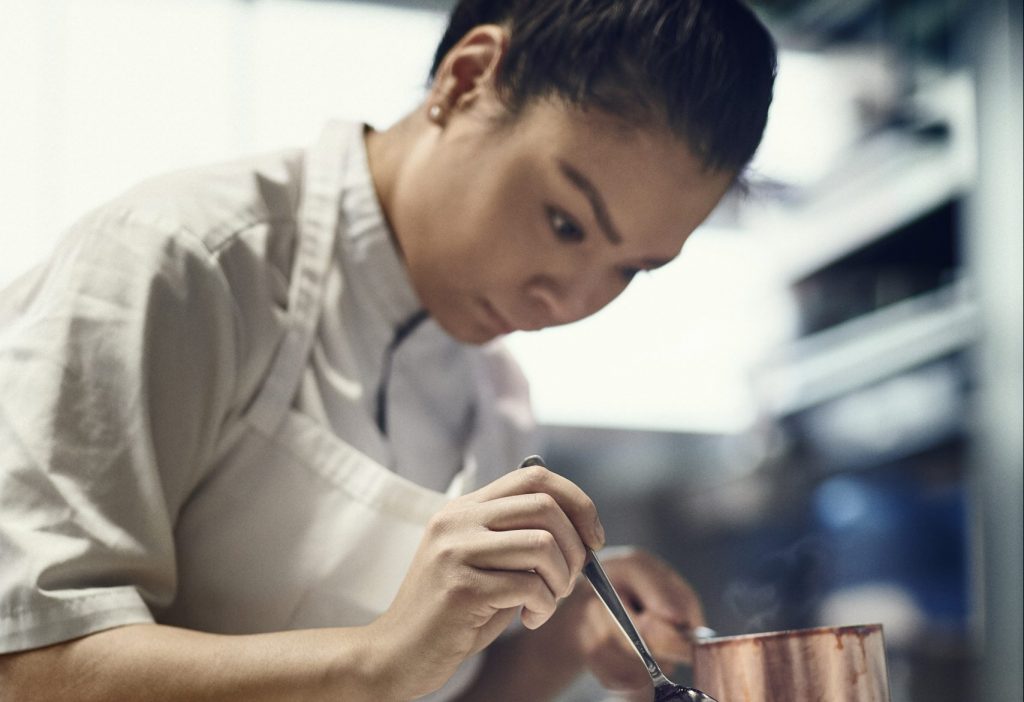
(469, 69)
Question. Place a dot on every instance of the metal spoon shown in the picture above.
(664, 689)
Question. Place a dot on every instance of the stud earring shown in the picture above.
(436, 113)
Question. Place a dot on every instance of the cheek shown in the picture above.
(500, 245)
(472, 250)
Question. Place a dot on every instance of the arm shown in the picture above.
(165, 663)
(511, 547)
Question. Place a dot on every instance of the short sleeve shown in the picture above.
(116, 367)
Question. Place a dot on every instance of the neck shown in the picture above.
(388, 153)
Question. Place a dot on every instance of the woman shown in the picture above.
(255, 429)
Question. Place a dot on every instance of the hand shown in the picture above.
(662, 605)
(515, 543)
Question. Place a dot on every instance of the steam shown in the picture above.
(758, 606)
(782, 589)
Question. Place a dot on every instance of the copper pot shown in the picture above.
(827, 664)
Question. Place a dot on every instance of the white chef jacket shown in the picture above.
(147, 370)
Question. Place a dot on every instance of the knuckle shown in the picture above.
(461, 588)
(543, 502)
(440, 523)
(448, 551)
(535, 587)
(543, 541)
(535, 476)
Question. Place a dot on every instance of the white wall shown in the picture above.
(100, 93)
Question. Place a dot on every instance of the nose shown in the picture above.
(562, 302)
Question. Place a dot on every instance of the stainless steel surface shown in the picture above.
(664, 689)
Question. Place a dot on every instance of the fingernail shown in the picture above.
(532, 620)
(599, 531)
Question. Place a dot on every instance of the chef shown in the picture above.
(256, 424)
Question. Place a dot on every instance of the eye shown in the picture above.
(564, 227)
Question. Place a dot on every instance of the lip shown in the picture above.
(496, 319)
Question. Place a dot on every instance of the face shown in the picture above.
(544, 220)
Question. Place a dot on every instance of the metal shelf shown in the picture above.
(887, 182)
(869, 349)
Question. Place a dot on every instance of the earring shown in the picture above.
(436, 113)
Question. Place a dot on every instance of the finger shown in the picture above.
(509, 589)
(611, 657)
(605, 629)
(524, 550)
(653, 586)
(575, 503)
(666, 641)
(537, 511)
(493, 628)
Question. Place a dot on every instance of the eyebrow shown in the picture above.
(584, 185)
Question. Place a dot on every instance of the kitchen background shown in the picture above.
(815, 413)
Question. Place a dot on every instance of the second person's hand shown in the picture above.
(662, 605)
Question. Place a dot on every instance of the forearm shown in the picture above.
(155, 662)
(532, 665)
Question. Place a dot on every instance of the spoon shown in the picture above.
(664, 689)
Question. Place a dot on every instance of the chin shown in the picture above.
(468, 334)
(478, 339)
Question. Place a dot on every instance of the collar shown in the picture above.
(367, 239)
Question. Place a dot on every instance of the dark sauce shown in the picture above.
(680, 695)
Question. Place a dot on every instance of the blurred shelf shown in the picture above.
(870, 348)
(888, 181)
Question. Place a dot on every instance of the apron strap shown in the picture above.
(319, 212)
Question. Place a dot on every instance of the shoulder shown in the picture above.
(210, 204)
(231, 225)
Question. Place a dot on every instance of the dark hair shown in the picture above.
(703, 68)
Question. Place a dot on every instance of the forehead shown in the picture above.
(656, 190)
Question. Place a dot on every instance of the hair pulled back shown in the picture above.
(703, 68)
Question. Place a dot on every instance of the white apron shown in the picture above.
(316, 534)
